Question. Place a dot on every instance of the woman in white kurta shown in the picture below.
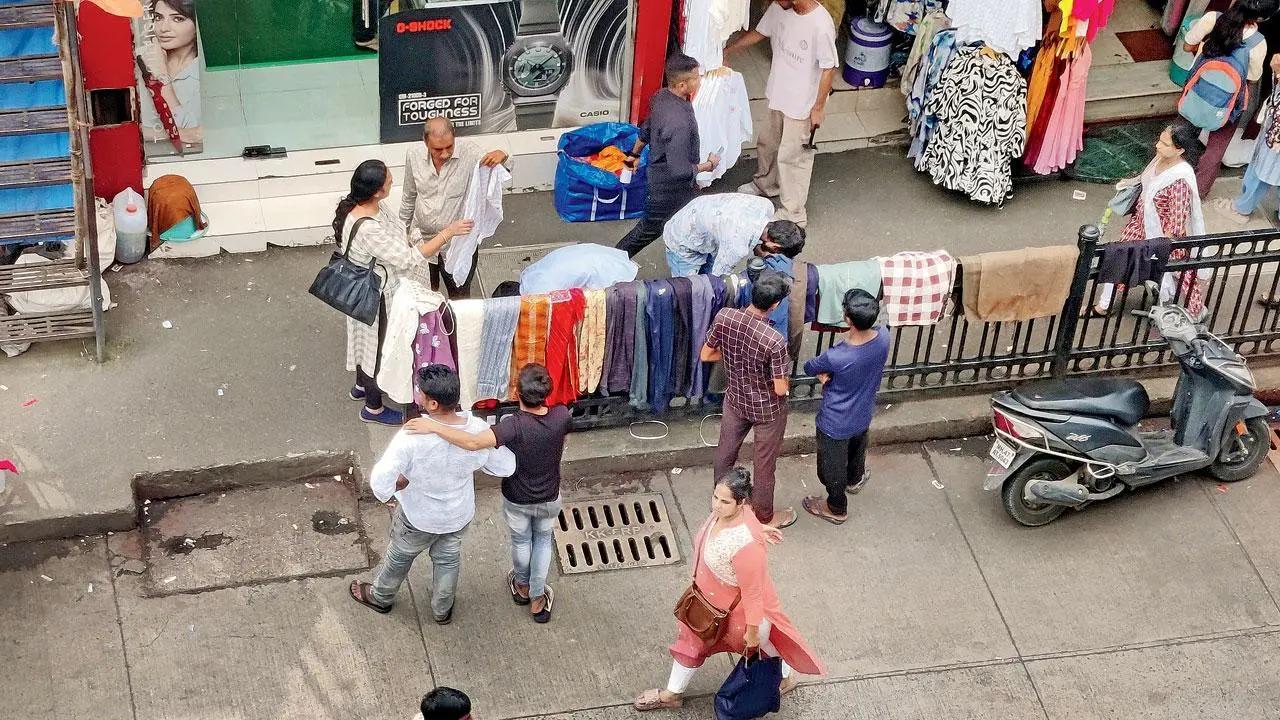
(382, 237)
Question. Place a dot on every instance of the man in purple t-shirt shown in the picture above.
(850, 374)
(531, 496)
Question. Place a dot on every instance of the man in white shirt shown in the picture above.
(712, 234)
(436, 176)
(803, 39)
(435, 485)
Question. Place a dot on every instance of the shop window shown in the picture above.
(111, 106)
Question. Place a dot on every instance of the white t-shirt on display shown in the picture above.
(803, 46)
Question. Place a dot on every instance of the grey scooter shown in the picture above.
(1068, 443)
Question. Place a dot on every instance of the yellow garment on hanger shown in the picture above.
(1066, 20)
(1042, 70)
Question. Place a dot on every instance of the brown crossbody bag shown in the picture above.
(694, 610)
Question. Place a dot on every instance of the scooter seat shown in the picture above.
(1124, 401)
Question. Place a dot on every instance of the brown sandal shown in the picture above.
(821, 511)
(652, 700)
(360, 593)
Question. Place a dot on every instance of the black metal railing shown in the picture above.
(1235, 271)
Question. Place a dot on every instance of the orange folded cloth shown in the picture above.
(610, 159)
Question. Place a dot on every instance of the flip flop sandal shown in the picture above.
(808, 507)
(360, 593)
(794, 517)
(652, 700)
(516, 597)
(788, 686)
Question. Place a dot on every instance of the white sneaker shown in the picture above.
(750, 188)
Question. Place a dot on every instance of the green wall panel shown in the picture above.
(271, 32)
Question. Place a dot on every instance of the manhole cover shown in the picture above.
(620, 532)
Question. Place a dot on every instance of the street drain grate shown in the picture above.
(620, 532)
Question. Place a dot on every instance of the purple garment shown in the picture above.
(431, 347)
(811, 295)
(620, 316)
(682, 336)
(611, 329)
(702, 312)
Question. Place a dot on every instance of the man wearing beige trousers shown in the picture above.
(803, 39)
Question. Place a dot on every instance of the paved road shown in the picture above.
(929, 604)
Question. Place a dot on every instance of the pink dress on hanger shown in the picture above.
(1064, 137)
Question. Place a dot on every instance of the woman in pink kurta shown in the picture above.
(731, 564)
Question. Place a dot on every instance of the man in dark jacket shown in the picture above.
(671, 132)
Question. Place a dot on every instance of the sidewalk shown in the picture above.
(929, 604)
(252, 367)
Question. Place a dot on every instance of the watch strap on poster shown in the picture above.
(538, 17)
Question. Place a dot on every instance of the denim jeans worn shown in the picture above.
(532, 542)
(407, 543)
(684, 267)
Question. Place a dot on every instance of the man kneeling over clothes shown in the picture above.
(434, 483)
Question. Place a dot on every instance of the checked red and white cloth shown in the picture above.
(917, 286)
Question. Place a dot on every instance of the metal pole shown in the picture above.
(78, 100)
(1087, 241)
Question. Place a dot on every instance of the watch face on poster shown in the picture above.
(537, 66)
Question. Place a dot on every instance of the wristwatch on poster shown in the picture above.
(537, 65)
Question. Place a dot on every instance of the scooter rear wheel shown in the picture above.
(1013, 493)
(1256, 441)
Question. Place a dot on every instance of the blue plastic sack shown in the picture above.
(752, 689)
(585, 193)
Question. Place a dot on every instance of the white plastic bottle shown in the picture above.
(130, 214)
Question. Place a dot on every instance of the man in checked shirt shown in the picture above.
(757, 368)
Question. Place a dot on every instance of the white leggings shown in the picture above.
(681, 675)
(1168, 288)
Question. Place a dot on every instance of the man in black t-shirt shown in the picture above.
(531, 496)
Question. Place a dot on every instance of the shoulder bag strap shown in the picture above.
(351, 236)
(697, 558)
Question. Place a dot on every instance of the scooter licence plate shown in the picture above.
(1003, 453)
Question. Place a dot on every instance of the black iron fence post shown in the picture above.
(1087, 241)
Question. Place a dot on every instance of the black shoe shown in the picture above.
(444, 619)
(856, 488)
(544, 616)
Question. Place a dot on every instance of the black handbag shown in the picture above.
(351, 289)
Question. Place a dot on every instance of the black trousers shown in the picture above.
(839, 463)
(373, 393)
(454, 291)
(659, 205)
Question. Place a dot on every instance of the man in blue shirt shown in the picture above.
(850, 375)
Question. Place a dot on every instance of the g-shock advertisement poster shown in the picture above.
(494, 67)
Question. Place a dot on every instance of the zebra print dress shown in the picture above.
(981, 108)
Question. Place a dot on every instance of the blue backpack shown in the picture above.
(1217, 90)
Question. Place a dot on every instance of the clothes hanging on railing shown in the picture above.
(531, 336)
(1017, 284)
(497, 336)
(660, 311)
(468, 336)
(980, 106)
(639, 391)
(916, 286)
(702, 294)
(836, 280)
(410, 302)
(591, 341)
(723, 111)
(562, 347)
(1009, 26)
(1133, 263)
(620, 330)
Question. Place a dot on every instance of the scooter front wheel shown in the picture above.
(1033, 514)
(1248, 454)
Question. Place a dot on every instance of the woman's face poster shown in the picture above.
(168, 62)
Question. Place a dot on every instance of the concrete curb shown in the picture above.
(591, 454)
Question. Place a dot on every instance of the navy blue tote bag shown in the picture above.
(751, 690)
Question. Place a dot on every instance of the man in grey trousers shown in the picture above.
(434, 483)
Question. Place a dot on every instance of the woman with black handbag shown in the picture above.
(731, 606)
(367, 229)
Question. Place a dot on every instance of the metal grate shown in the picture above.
(619, 532)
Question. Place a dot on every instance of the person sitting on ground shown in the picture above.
(435, 487)
(445, 703)
(530, 496)
(713, 233)
(850, 373)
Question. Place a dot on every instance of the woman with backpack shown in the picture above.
(1231, 45)
(1166, 205)
(1263, 174)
